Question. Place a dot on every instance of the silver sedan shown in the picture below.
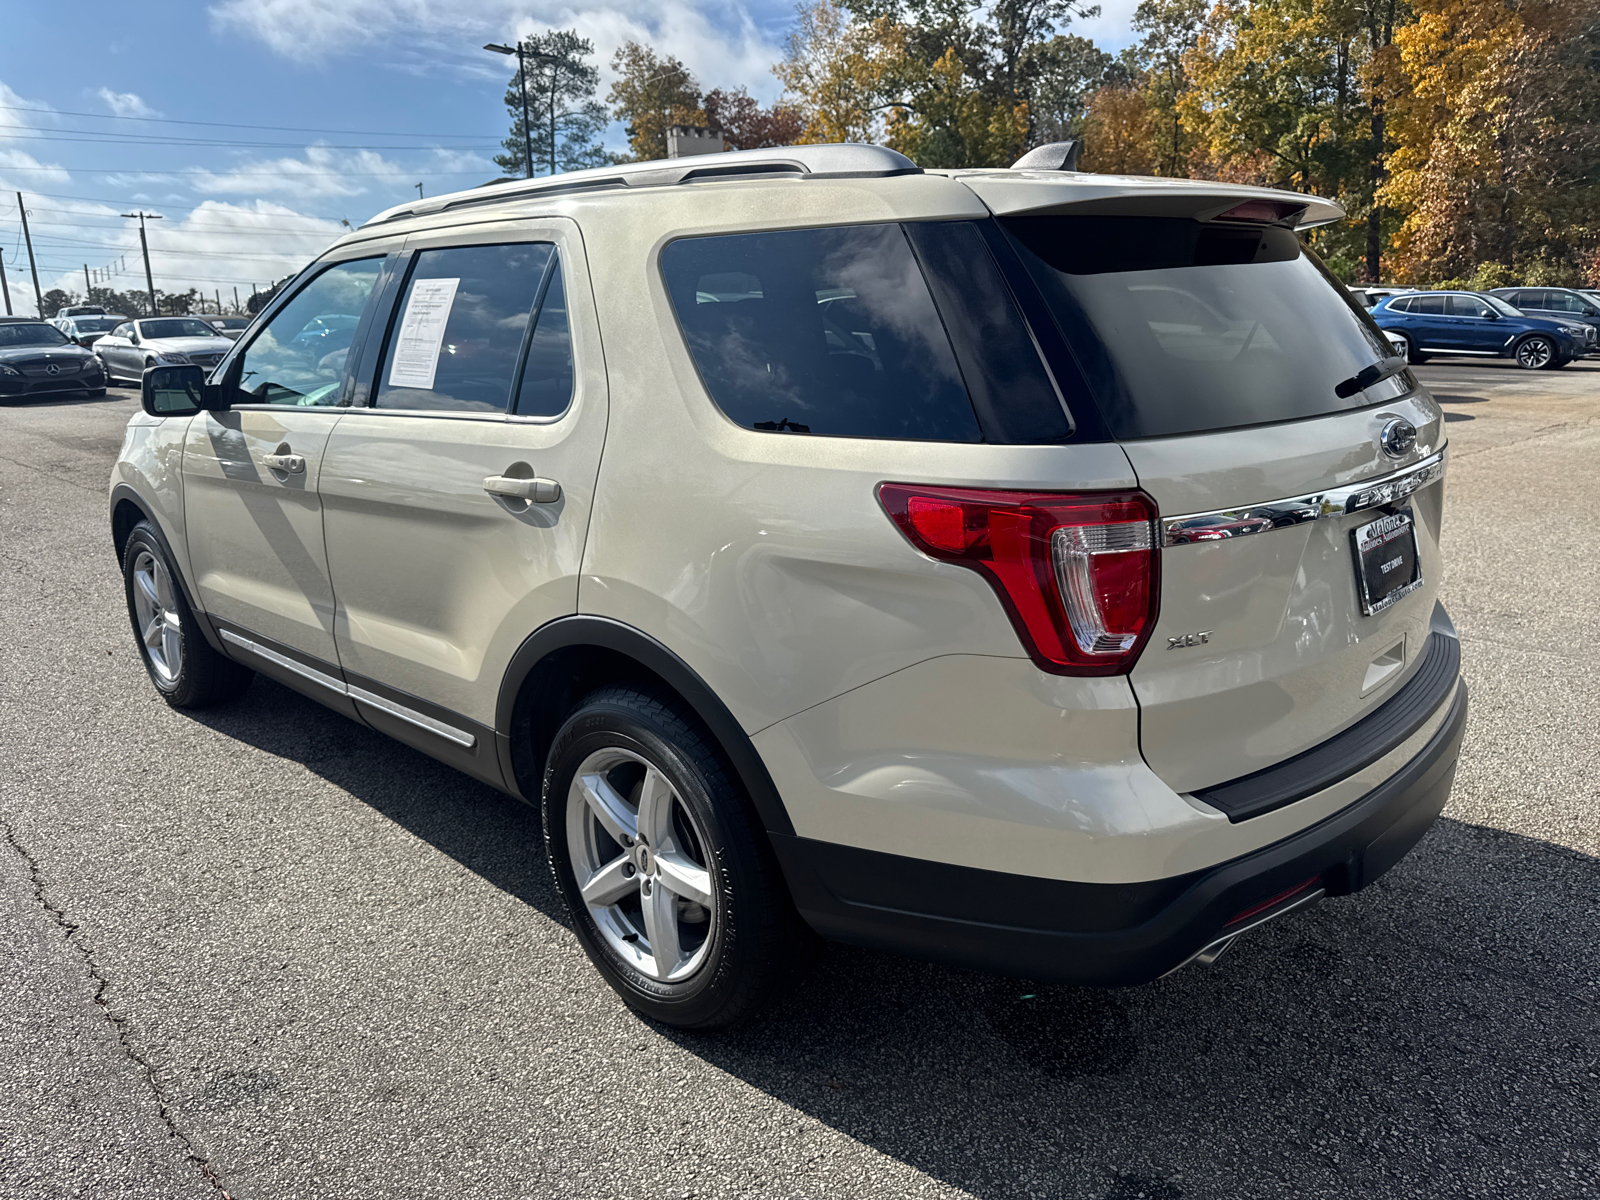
(134, 345)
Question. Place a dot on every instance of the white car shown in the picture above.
(159, 341)
(1021, 569)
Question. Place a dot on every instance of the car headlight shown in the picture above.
(5, 370)
(176, 359)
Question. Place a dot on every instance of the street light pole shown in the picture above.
(527, 123)
(4, 286)
(149, 279)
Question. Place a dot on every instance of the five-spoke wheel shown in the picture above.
(155, 614)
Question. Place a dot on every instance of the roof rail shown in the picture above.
(838, 161)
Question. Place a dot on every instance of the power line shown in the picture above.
(61, 112)
(394, 174)
(123, 139)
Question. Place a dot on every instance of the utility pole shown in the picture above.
(149, 279)
(86, 283)
(527, 122)
(236, 307)
(4, 286)
(38, 295)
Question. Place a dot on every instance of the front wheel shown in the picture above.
(182, 664)
(1535, 353)
(673, 889)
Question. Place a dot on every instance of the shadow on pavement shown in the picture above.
(1435, 1035)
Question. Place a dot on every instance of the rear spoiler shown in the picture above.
(1042, 193)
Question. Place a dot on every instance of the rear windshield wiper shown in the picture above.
(1367, 376)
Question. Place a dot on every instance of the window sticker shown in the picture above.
(416, 350)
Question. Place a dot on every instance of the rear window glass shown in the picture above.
(1182, 327)
(819, 331)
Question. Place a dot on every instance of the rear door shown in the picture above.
(1430, 321)
(456, 502)
(1225, 362)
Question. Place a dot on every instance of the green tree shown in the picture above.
(564, 119)
(1065, 72)
(652, 92)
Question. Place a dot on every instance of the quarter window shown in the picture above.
(458, 331)
(298, 357)
(819, 331)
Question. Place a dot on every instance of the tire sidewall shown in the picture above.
(610, 724)
(143, 538)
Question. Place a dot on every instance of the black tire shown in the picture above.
(203, 677)
(93, 392)
(1413, 355)
(755, 940)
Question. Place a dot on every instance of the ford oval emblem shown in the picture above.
(1397, 438)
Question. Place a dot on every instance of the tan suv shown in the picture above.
(1023, 569)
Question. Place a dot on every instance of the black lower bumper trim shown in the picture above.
(1109, 934)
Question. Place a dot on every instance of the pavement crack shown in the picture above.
(117, 1021)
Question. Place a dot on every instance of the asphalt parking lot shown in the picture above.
(268, 953)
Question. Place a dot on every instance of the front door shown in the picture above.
(250, 475)
(457, 503)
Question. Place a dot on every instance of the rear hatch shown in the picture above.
(1256, 406)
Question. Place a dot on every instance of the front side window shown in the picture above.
(122, 331)
(819, 331)
(298, 357)
(458, 332)
(1469, 306)
(1184, 326)
(1565, 302)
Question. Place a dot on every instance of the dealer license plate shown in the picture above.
(1386, 561)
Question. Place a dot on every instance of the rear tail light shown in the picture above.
(1077, 574)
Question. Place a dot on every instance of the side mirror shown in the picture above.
(133, 336)
(173, 391)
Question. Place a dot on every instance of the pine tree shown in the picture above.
(564, 120)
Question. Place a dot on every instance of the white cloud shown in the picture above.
(327, 172)
(125, 104)
(717, 39)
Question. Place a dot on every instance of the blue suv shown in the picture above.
(1472, 323)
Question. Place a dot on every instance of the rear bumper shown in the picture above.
(1110, 934)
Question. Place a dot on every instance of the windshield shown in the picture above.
(172, 327)
(31, 335)
(230, 322)
(1181, 326)
(1499, 305)
(95, 324)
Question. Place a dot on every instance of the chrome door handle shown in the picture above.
(293, 464)
(540, 491)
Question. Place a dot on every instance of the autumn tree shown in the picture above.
(1119, 137)
(746, 125)
(652, 92)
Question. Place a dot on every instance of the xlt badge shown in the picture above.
(1185, 640)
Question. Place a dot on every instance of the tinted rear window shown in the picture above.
(1182, 327)
(821, 331)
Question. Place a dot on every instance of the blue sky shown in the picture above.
(100, 114)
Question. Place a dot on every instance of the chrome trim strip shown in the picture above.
(1225, 523)
(284, 661)
(410, 715)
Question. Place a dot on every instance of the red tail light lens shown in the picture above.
(1078, 574)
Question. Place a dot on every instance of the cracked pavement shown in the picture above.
(266, 953)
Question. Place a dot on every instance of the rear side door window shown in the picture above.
(819, 331)
(458, 335)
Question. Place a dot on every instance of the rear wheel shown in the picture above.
(673, 889)
(182, 664)
(1535, 353)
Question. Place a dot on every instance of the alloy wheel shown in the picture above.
(641, 864)
(155, 608)
(1535, 353)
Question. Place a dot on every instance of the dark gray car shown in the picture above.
(36, 358)
(1563, 303)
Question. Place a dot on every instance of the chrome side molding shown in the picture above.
(323, 679)
(1278, 514)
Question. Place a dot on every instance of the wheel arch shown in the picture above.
(127, 510)
(569, 657)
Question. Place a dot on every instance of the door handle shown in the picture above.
(540, 491)
(293, 464)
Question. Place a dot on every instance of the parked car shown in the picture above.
(964, 563)
(134, 345)
(79, 310)
(1561, 304)
(86, 331)
(1478, 324)
(228, 327)
(1369, 296)
(37, 359)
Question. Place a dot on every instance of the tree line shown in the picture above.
(1462, 137)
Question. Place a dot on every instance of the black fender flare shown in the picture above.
(619, 638)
